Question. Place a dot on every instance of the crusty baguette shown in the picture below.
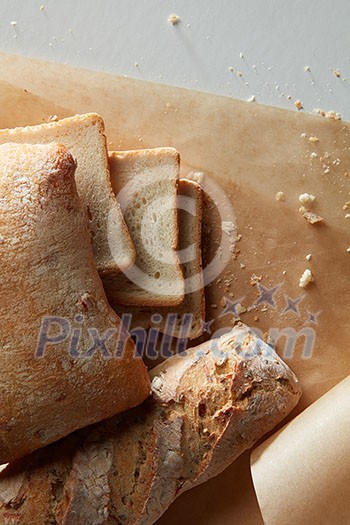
(187, 319)
(52, 296)
(145, 183)
(208, 406)
(84, 136)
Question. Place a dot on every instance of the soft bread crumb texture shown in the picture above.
(145, 183)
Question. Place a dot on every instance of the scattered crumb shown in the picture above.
(223, 302)
(284, 272)
(347, 216)
(213, 306)
(230, 68)
(255, 279)
(280, 196)
(241, 55)
(241, 309)
(53, 118)
(348, 249)
(238, 238)
(313, 155)
(13, 23)
(251, 99)
(303, 135)
(313, 218)
(256, 318)
(136, 64)
(346, 205)
(333, 115)
(239, 74)
(309, 257)
(173, 19)
(42, 8)
(306, 278)
(264, 309)
(336, 73)
(307, 69)
(314, 139)
(298, 104)
(326, 170)
(242, 266)
(289, 97)
(306, 198)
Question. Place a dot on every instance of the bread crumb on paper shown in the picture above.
(306, 278)
(251, 99)
(308, 257)
(239, 74)
(306, 198)
(307, 69)
(280, 196)
(336, 73)
(240, 309)
(42, 8)
(173, 19)
(230, 68)
(13, 23)
(53, 118)
(255, 279)
(298, 104)
(333, 115)
(312, 218)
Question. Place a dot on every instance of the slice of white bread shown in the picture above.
(145, 183)
(83, 135)
(64, 359)
(185, 320)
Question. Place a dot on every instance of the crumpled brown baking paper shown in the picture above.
(302, 473)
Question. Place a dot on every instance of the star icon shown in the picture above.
(312, 317)
(231, 307)
(292, 305)
(266, 294)
(206, 326)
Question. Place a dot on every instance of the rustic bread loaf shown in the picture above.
(208, 406)
(185, 320)
(145, 183)
(83, 135)
(58, 370)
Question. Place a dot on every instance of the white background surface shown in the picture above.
(269, 41)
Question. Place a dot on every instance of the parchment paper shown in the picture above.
(252, 152)
(302, 473)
